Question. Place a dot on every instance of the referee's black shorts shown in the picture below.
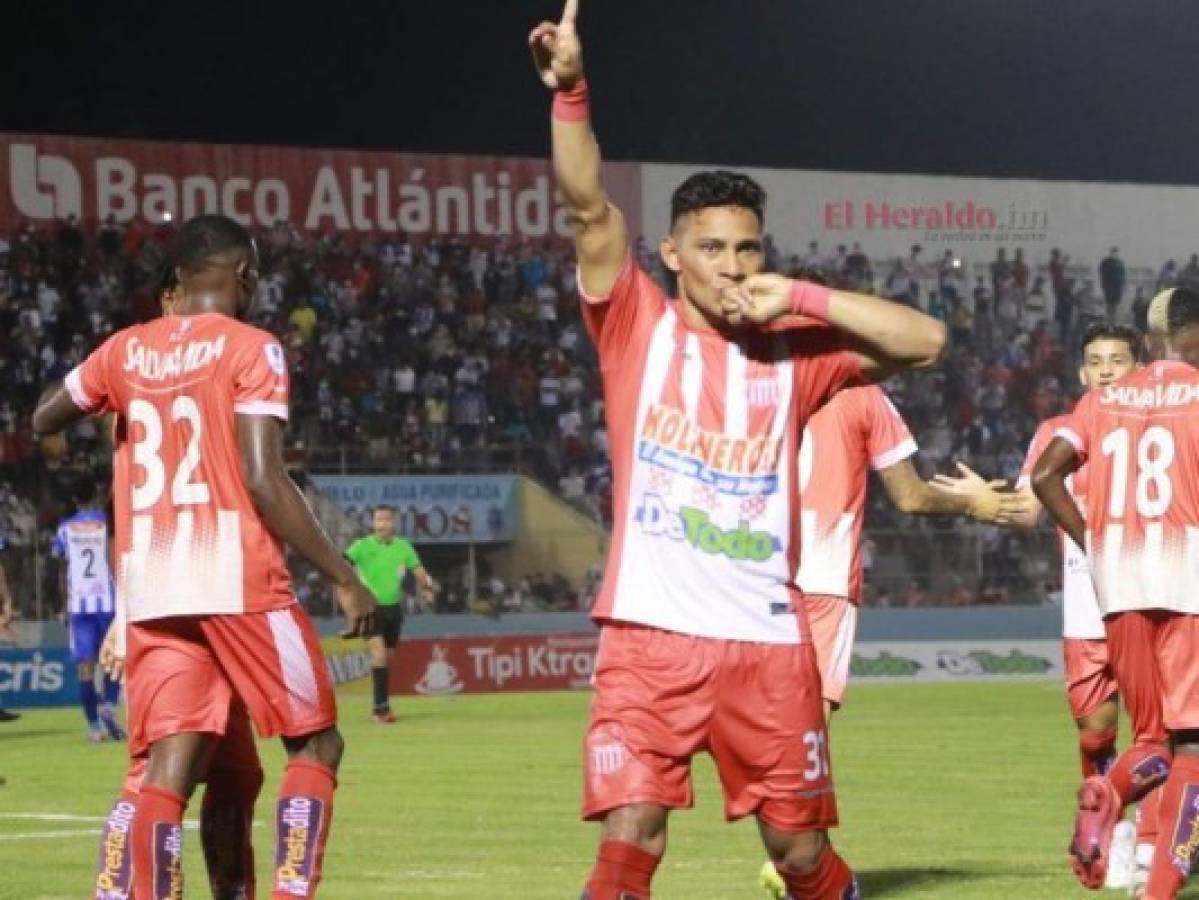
(389, 622)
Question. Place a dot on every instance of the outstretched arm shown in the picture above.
(894, 337)
(601, 240)
(55, 410)
(912, 494)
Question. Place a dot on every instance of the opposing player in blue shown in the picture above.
(81, 541)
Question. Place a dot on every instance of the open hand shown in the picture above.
(557, 54)
(112, 651)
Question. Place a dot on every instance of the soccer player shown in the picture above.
(859, 430)
(706, 398)
(1139, 439)
(86, 583)
(233, 777)
(203, 508)
(382, 560)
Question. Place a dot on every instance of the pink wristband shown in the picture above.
(571, 105)
(811, 300)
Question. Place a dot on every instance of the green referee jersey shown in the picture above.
(382, 565)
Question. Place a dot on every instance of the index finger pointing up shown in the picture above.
(571, 12)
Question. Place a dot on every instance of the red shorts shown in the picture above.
(235, 750)
(661, 697)
(1155, 654)
(1090, 680)
(182, 674)
(832, 622)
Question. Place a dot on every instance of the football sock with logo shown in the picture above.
(1138, 770)
(90, 702)
(829, 879)
(114, 865)
(379, 677)
(158, 844)
(226, 817)
(112, 691)
(1147, 817)
(622, 871)
(302, 827)
(1096, 751)
(1178, 830)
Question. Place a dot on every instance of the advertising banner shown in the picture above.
(46, 177)
(888, 214)
(483, 664)
(347, 660)
(950, 660)
(31, 677)
(431, 509)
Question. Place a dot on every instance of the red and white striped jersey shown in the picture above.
(704, 432)
(858, 430)
(189, 540)
(1080, 608)
(1140, 438)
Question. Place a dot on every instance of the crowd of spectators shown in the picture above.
(447, 354)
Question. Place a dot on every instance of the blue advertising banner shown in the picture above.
(40, 676)
(431, 509)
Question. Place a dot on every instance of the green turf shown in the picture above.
(946, 791)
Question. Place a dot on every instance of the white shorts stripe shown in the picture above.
(298, 672)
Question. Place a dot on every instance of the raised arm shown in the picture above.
(894, 337)
(1049, 484)
(601, 239)
(289, 517)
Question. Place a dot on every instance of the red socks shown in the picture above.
(158, 844)
(114, 869)
(1097, 751)
(302, 827)
(829, 879)
(1138, 770)
(1147, 817)
(226, 817)
(622, 872)
(1178, 835)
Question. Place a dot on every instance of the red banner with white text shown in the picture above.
(45, 178)
(489, 663)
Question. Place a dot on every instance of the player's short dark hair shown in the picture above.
(1183, 310)
(718, 187)
(1107, 331)
(383, 507)
(84, 490)
(204, 237)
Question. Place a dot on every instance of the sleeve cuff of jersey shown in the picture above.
(1071, 437)
(74, 385)
(592, 299)
(900, 451)
(262, 408)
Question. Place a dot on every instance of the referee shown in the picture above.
(382, 560)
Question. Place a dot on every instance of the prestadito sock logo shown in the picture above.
(43, 186)
(299, 822)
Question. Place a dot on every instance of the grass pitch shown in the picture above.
(946, 791)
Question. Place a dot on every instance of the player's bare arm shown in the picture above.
(1049, 476)
(287, 514)
(894, 337)
(1018, 507)
(7, 607)
(601, 239)
(55, 410)
(912, 494)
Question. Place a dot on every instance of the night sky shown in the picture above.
(1081, 89)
